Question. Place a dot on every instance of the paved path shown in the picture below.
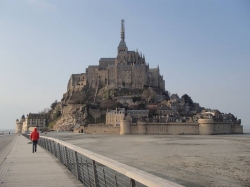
(6, 144)
(22, 168)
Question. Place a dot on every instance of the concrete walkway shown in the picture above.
(22, 168)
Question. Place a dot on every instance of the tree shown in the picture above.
(166, 94)
(96, 113)
(149, 95)
(45, 111)
(119, 105)
(141, 106)
(53, 105)
(136, 99)
(187, 99)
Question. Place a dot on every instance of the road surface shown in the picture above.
(6, 143)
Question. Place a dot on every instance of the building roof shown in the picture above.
(107, 59)
(151, 107)
(163, 107)
(117, 111)
(137, 111)
(76, 126)
(35, 116)
(122, 44)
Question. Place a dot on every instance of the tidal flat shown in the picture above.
(190, 160)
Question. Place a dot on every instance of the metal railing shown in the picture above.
(94, 170)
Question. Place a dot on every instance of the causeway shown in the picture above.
(22, 168)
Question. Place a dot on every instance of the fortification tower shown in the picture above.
(124, 127)
(19, 124)
(206, 126)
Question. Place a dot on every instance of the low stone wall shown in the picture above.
(172, 128)
(237, 129)
(79, 130)
(222, 128)
(209, 126)
(133, 128)
(169, 128)
(183, 128)
(101, 129)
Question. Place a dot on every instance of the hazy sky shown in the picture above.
(201, 47)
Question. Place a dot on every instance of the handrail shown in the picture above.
(131, 172)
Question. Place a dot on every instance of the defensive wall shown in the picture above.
(101, 129)
(204, 126)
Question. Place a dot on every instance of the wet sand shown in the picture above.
(193, 161)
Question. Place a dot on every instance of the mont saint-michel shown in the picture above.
(124, 95)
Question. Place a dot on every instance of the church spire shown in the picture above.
(122, 48)
(122, 30)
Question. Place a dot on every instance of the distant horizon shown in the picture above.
(7, 130)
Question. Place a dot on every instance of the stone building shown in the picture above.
(163, 110)
(128, 70)
(113, 117)
(124, 100)
(135, 115)
(34, 120)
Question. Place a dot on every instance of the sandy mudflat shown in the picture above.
(193, 161)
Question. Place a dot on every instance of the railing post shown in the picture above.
(51, 147)
(104, 177)
(39, 142)
(88, 172)
(47, 144)
(42, 142)
(77, 167)
(54, 143)
(66, 155)
(132, 183)
(96, 181)
(59, 150)
(83, 171)
(116, 182)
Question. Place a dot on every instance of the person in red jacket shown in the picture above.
(34, 136)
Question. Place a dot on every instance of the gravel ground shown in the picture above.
(193, 161)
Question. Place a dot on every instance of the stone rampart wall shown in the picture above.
(133, 128)
(222, 128)
(101, 129)
(183, 128)
(237, 129)
(166, 128)
(172, 128)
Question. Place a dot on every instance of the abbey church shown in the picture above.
(128, 70)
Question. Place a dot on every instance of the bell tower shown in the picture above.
(122, 48)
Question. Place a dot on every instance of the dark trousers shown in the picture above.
(34, 145)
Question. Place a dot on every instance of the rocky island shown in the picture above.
(123, 95)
